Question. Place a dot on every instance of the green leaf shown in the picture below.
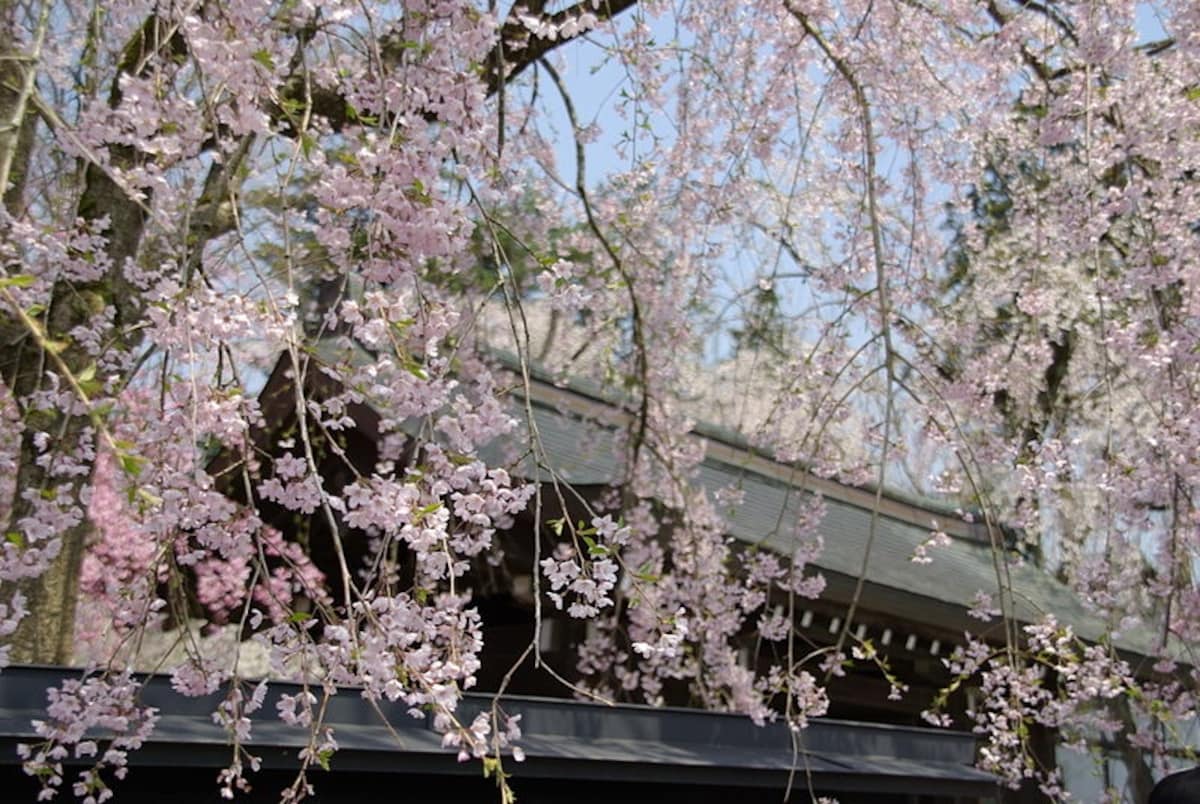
(594, 550)
(421, 513)
(414, 368)
(291, 106)
(16, 281)
(132, 464)
(297, 617)
(263, 57)
(646, 574)
(15, 538)
(148, 499)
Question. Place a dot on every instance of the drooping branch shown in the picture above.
(883, 297)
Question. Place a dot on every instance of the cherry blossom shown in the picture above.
(279, 282)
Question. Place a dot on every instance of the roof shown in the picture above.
(561, 739)
(578, 430)
(578, 426)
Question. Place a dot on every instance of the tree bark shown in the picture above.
(17, 68)
(46, 635)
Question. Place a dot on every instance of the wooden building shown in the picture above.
(870, 748)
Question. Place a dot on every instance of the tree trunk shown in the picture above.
(46, 635)
(17, 124)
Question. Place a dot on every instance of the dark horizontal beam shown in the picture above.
(562, 740)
